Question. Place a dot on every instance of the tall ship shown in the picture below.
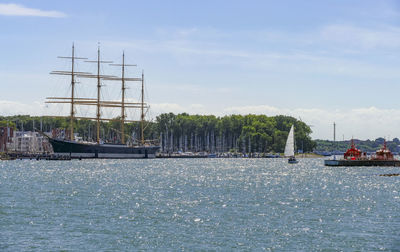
(76, 148)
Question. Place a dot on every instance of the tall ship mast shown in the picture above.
(98, 149)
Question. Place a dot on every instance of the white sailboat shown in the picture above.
(289, 148)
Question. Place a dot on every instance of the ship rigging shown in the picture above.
(144, 149)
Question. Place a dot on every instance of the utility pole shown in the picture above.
(334, 139)
(334, 132)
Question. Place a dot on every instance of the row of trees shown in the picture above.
(363, 145)
(184, 132)
(249, 133)
(109, 131)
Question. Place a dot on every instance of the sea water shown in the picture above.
(197, 204)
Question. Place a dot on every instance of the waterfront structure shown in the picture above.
(28, 142)
(5, 137)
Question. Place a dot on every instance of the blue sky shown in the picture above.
(321, 61)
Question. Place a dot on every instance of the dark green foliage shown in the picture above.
(367, 145)
(249, 133)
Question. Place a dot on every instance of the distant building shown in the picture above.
(6, 134)
(60, 133)
(29, 142)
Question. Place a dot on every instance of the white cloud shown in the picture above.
(159, 108)
(366, 38)
(8, 108)
(319, 58)
(361, 123)
(20, 10)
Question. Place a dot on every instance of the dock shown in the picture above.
(42, 156)
(343, 162)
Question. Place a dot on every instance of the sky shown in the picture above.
(318, 61)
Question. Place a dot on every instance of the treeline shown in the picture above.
(249, 133)
(109, 131)
(363, 145)
(184, 132)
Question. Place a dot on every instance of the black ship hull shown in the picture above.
(89, 150)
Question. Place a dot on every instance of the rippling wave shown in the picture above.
(197, 204)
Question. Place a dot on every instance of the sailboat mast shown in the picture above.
(72, 94)
(142, 111)
(98, 95)
(123, 101)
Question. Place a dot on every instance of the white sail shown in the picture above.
(289, 148)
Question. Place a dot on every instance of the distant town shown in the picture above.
(252, 135)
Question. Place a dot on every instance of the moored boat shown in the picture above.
(289, 148)
(88, 150)
(79, 149)
(355, 157)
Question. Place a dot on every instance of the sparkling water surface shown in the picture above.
(197, 204)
